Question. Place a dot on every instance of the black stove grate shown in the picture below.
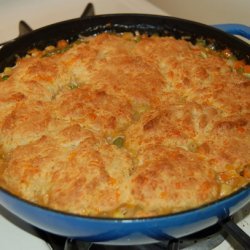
(24, 28)
(206, 239)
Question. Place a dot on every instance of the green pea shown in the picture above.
(5, 77)
(201, 42)
(203, 55)
(137, 39)
(119, 141)
(73, 85)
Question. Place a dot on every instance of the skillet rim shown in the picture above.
(224, 38)
(132, 219)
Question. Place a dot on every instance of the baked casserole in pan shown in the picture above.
(125, 125)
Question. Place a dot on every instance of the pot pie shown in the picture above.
(125, 125)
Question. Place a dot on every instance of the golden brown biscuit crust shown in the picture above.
(125, 126)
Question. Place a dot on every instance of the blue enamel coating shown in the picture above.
(235, 29)
(128, 231)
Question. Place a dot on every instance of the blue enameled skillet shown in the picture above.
(123, 231)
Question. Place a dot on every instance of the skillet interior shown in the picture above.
(151, 24)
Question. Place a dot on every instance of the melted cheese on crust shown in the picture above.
(124, 127)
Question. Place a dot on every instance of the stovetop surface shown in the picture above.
(16, 235)
(41, 13)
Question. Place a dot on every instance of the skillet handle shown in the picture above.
(235, 29)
